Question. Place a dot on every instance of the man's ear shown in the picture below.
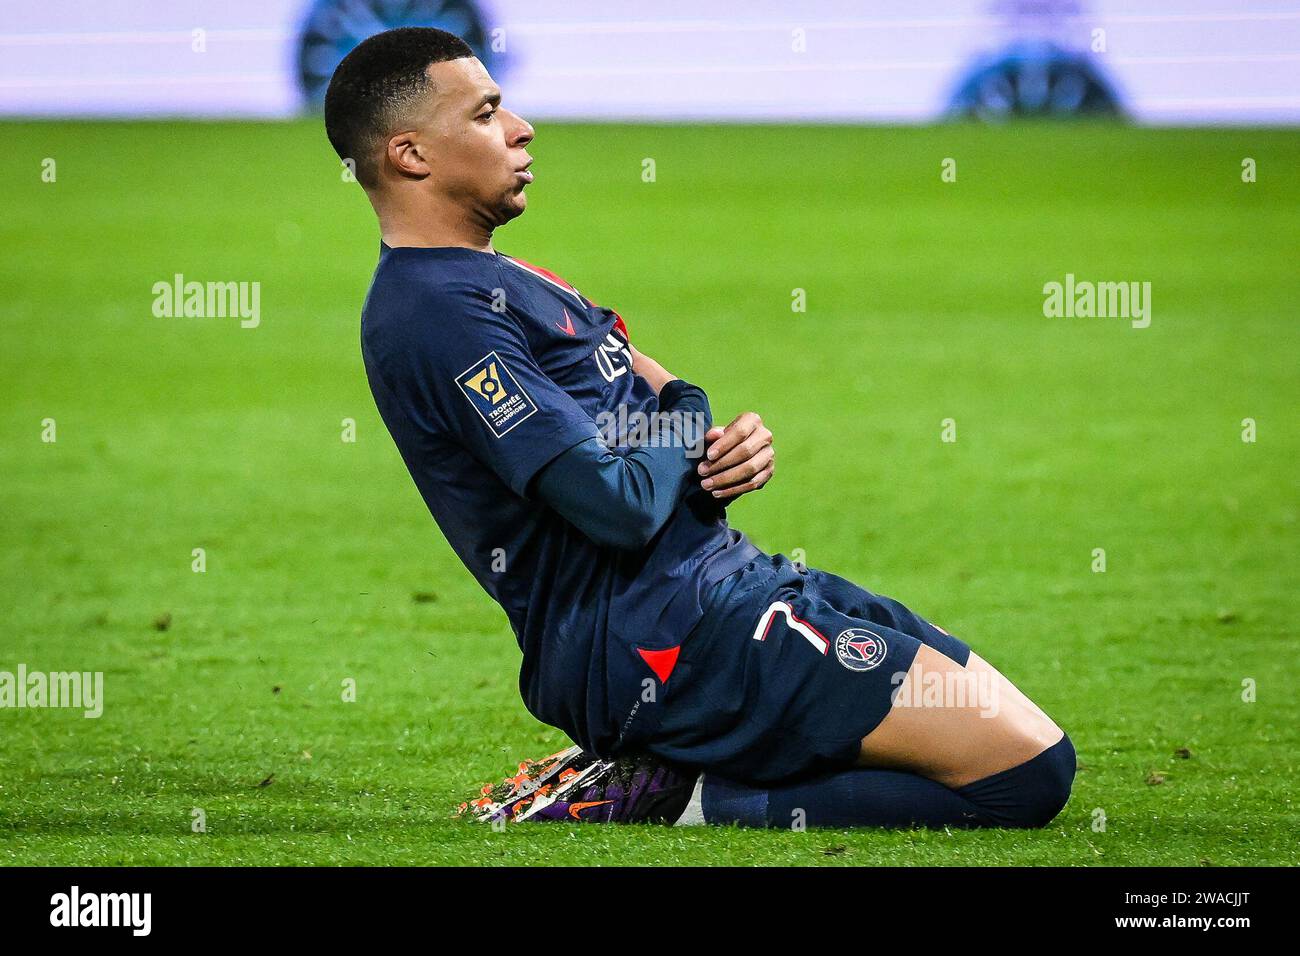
(404, 153)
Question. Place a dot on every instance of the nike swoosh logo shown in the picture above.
(567, 328)
(577, 808)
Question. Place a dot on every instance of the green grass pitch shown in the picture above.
(223, 689)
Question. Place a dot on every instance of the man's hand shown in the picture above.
(740, 457)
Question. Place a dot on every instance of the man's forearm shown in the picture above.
(740, 457)
(623, 500)
(656, 375)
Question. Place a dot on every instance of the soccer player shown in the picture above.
(565, 468)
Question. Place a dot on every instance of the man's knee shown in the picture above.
(1051, 789)
(1028, 795)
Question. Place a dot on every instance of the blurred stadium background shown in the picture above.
(1197, 61)
(142, 140)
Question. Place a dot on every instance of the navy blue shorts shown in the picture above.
(786, 673)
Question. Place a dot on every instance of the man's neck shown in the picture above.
(433, 227)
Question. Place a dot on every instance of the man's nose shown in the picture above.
(522, 131)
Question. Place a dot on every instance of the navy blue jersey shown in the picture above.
(485, 369)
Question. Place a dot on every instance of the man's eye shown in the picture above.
(487, 116)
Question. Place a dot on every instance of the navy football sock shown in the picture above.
(1028, 795)
(1031, 794)
(862, 797)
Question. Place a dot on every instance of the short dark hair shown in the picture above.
(372, 85)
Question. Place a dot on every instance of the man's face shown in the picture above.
(474, 146)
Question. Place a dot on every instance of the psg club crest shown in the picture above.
(859, 649)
